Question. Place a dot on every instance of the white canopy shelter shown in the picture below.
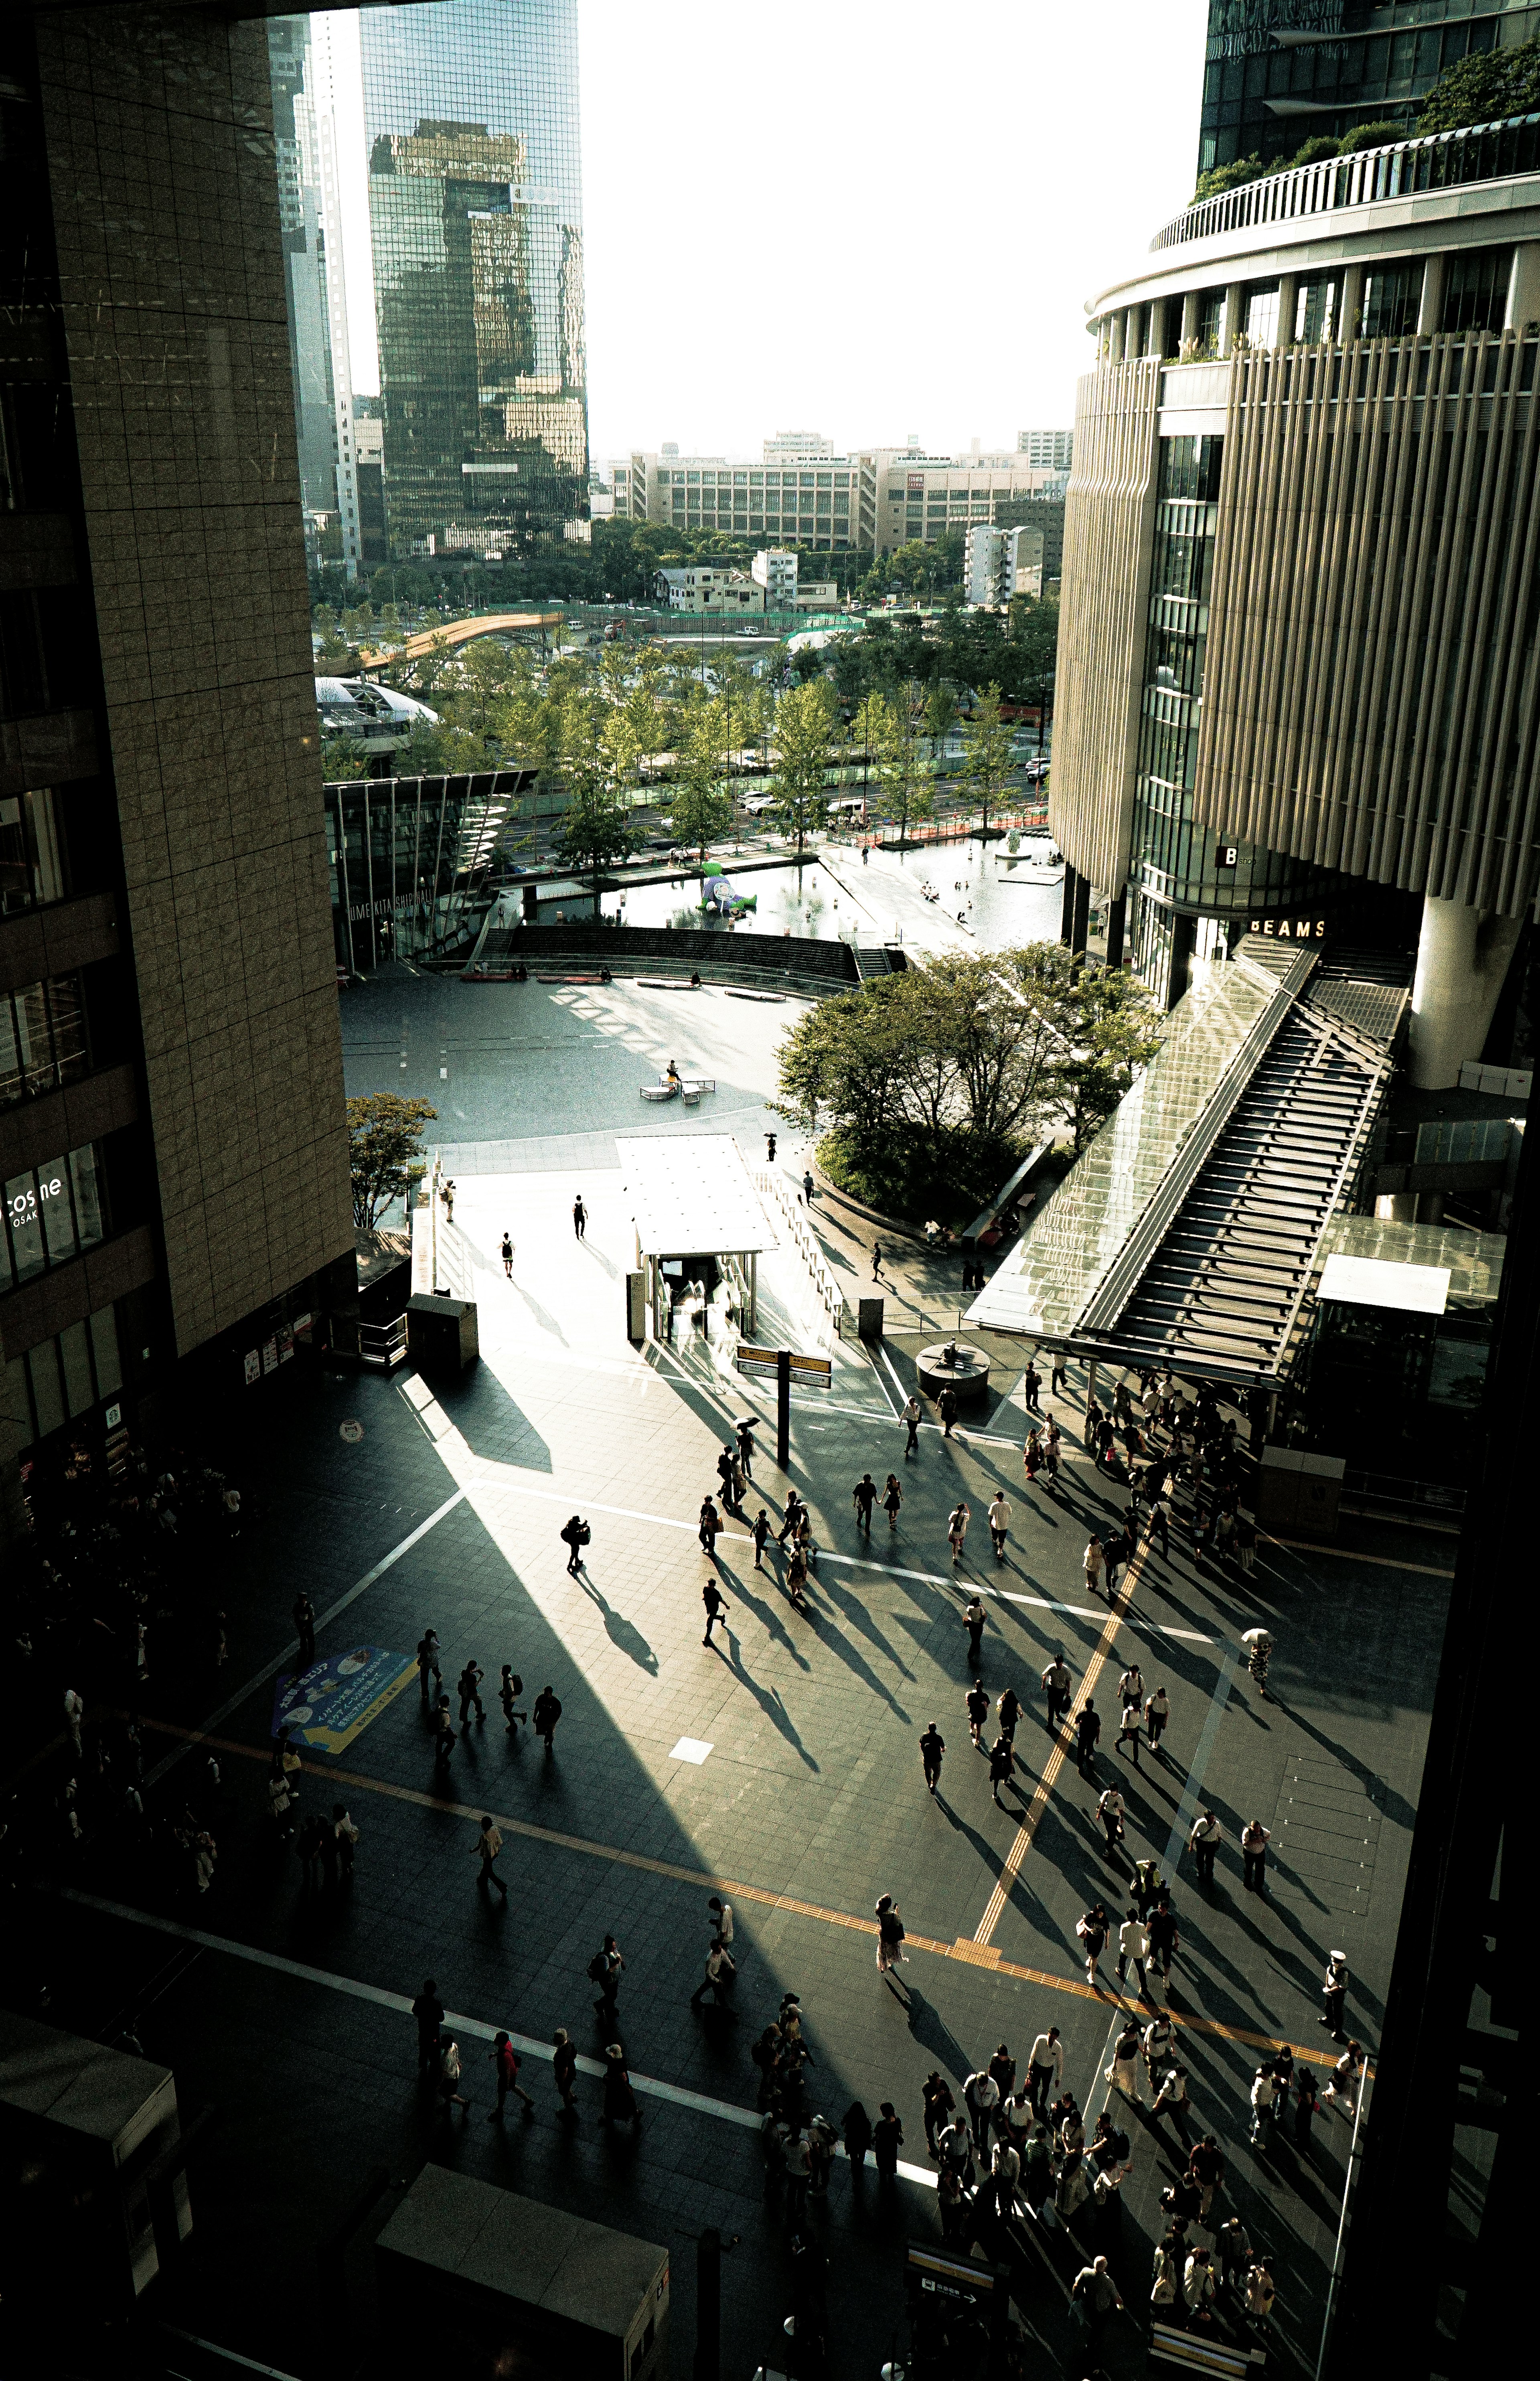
(691, 1195)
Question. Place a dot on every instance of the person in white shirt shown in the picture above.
(1347, 2075)
(981, 2096)
(1109, 1810)
(1157, 1711)
(1133, 1943)
(1131, 1686)
(722, 1918)
(999, 1522)
(1204, 1841)
(1263, 2093)
(1044, 2069)
(1254, 1840)
(1091, 1560)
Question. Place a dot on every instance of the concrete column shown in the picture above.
(1119, 322)
(1430, 311)
(1190, 304)
(1117, 927)
(1067, 912)
(1462, 958)
(1235, 298)
(1080, 925)
(1162, 319)
(1523, 310)
(1352, 304)
(1288, 296)
(1184, 935)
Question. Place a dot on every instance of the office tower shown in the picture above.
(1046, 450)
(475, 210)
(1278, 71)
(174, 1145)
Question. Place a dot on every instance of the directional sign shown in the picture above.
(812, 1371)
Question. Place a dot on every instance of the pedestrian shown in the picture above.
(1044, 2069)
(1133, 1946)
(876, 1260)
(956, 1534)
(892, 1498)
(74, 1716)
(933, 1744)
(808, 1185)
(1207, 2167)
(504, 2068)
(911, 1419)
(1115, 1554)
(1157, 1711)
(469, 1686)
(1164, 1937)
(890, 1934)
(488, 1844)
(857, 2131)
(722, 1921)
(719, 1974)
(575, 1534)
(604, 1969)
(1199, 2287)
(1109, 1810)
(1092, 1930)
(563, 2069)
(746, 1447)
(887, 2140)
(1254, 1840)
(619, 2104)
(973, 1619)
(579, 1216)
(760, 1537)
(1055, 1685)
(1346, 2077)
(1094, 2296)
(1002, 1769)
(1172, 2101)
(1059, 1382)
(507, 1253)
(793, 1518)
(547, 1710)
(1307, 2108)
(427, 1666)
(1091, 1562)
(797, 2167)
(976, 1703)
(1032, 1387)
(864, 1497)
(1161, 1518)
(1088, 1735)
(449, 2093)
(345, 1835)
(1263, 2094)
(510, 1687)
(729, 1473)
(1123, 2073)
(945, 1406)
(445, 1738)
(304, 1624)
(981, 2096)
(1129, 1730)
(999, 1516)
(1334, 1992)
(711, 1524)
(1259, 2295)
(1010, 1710)
(1204, 1842)
(710, 1596)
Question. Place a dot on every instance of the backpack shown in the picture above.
(598, 1967)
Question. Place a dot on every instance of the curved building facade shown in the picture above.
(1299, 654)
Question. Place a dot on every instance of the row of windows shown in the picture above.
(1392, 65)
(65, 1377)
(757, 479)
(32, 858)
(42, 1038)
(1477, 282)
(52, 1212)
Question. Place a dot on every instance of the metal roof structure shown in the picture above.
(1194, 1225)
(692, 1195)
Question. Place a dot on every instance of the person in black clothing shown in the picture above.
(710, 1596)
(858, 2135)
(573, 1534)
(1088, 1731)
(304, 1622)
(933, 1744)
(762, 1537)
(887, 2140)
(864, 1497)
(939, 2105)
(428, 2010)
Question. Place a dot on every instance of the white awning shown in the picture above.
(691, 1195)
(1377, 1281)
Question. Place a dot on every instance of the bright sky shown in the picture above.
(866, 217)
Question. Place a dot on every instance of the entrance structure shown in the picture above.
(698, 1223)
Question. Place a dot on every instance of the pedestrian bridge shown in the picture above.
(457, 633)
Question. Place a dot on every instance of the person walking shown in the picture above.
(470, 1687)
(1334, 1992)
(933, 1744)
(1094, 2296)
(547, 1710)
(892, 1499)
(976, 1703)
(1109, 1810)
(1207, 2168)
(563, 2069)
(506, 1252)
(1161, 1922)
(1091, 1563)
(1010, 1710)
(429, 1675)
(449, 2093)
(945, 1406)
(973, 1619)
(1129, 1730)
(1204, 1842)
(761, 1533)
(1307, 2108)
(710, 1596)
(911, 1419)
(956, 1530)
(890, 1934)
(1032, 1387)
(606, 1970)
(1044, 2070)
(711, 1524)
(999, 1516)
(428, 2010)
(1254, 1840)
(981, 2098)
(864, 1497)
(1088, 1735)
(1123, 2073)
(1058, 1381)
(510, 1686)
(344, 1837)
(445, 1738)
(1172, 2100)
(619, 2104)
(304, 1626)
(719, 1974)
(1002, 1769)
(505, 2068)
(1092, 1930)
(876, 1261)
(1264, 2097)
(939, 2106)
(488, 1844)
(1055, 1685)
(575, 1534)
(887, 2140)
(1346, 2077)
(1157, 1712)
(1133, 1947)
(579, 1216)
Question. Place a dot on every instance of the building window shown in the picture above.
(1391, 301)
(1315, 311)
(1475, 296)
(31, 865)
(42, 1038)
(1261, 315)
(1211, 321)
(52, 1212)
(65, 1377)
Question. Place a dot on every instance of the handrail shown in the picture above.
(1438, 160)
(830, 1293)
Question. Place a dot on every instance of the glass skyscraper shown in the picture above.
(475, 211)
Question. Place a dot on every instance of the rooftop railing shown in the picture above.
(1440, 161)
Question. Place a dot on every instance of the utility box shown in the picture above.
(80, 2125)
(442, 1334)
(869, 1314)
(480, 2282)
(531, 904)
(636, 1307)
(1295, 1491)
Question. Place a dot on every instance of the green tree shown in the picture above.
(597, 827)
(985, 750)
(384, 1151)
(1110, 1028)
(804, 728)
(1483, 89)
(906, 790)
(1217, 180)
(940, 719)
(702, 805)
(1378, 135)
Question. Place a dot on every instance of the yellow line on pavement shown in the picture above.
(994, 1907)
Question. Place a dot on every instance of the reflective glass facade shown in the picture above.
(411, 861)
(52, 1212)
(475, 212)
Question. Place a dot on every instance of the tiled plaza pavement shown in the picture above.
(810, 1801)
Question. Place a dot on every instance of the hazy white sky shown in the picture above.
(860, 216)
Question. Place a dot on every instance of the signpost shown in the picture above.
(783, 1367)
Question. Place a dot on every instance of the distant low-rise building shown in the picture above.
(704, 586)
(1047, 450)
(1000, 563)
(906, 494)
(788, 445)
(776, 570)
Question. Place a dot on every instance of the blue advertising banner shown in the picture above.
(327, 1705)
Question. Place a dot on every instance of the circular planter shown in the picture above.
(954, 1365)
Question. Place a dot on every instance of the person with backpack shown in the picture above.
(509, 1691)
(711, 1524)
(575, 1536)
(890, 1934)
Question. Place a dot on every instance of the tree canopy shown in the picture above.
(384, 1151)
(1485, 87)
